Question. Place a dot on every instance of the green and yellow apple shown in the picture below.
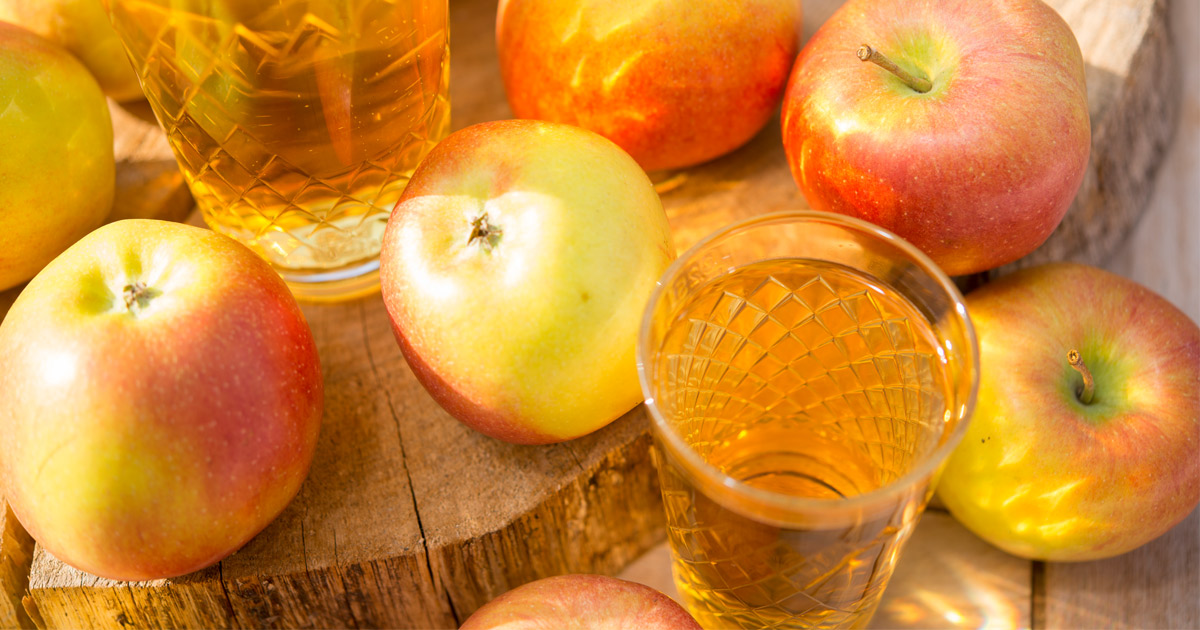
(57, 172)
(515, 269)
(82, 27)
(162, 398)
(585, 602)
(673, 82)
(976, 157)
(1061, 466)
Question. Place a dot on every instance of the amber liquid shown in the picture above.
(804, 379)
(297, 123)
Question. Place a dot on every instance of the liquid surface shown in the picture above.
(297, 123)
(805, 379)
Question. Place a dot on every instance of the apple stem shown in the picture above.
(485, 232)
(920, 84)
(1088, 392)
(136, 295)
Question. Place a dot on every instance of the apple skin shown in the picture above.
(151, 444)
(1043, 476)
(673, 82)
(530, 340)
(978, 171)
(57, 171)
(82, 27)
(592, 602)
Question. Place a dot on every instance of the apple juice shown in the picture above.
(297, 123)
(806, 379)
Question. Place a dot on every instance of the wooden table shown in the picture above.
(947, 578)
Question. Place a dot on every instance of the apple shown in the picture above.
(82, 27)
(673, 82)
(162, 398)
(515, 269)
(977, 170)
(591, 602)
(1052, 469)
(57, 171)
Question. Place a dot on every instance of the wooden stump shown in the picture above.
(1133, 100)
(408, 519)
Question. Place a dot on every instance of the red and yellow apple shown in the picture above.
(82, 27)
(673, 82)
(1054, 469)
(978, 170)
(515, 269)
(57, 172)
(162, 398)
(591, 602)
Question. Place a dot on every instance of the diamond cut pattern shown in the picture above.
(253, 117)
(797, 348)
(759, 350)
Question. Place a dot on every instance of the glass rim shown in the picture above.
(882, 495)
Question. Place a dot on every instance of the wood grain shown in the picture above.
(16, 552)
(1154, 586)
(408, 519)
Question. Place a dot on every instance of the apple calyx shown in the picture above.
(919, 84)
(1088, 392)
(485, 232)
(137, 296)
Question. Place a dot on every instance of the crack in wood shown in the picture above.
(123, 619)
(303, 541)
(1037, 589)
(575, 456)
(412, 490)
(85, 591)
(235, 622)
(337, 568)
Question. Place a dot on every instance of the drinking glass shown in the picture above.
(296, 123)
(806, 374)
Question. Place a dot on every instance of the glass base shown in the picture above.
(333, 285)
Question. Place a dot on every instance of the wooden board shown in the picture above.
(410, 520)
